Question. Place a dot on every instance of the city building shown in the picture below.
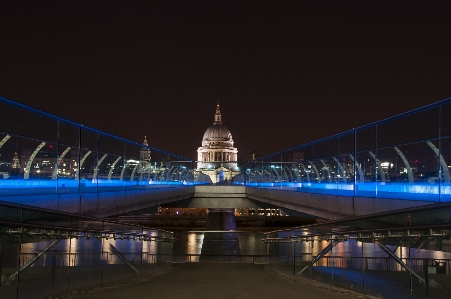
(16, 162)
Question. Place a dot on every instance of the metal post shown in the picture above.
(410, 276)
(294, 258)
(333, 264)
(426, 275)
(20, 251)
(52, 277)
(142, 245)
(68, 263)
(311, 264)
(77, 171)
(1, 264)
(363, 271)
(354, 166)
(311, 269)
(446, 172)
(100, 260)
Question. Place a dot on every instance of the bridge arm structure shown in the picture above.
(104, 204)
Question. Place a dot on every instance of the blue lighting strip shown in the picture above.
(390, 170)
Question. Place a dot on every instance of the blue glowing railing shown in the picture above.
(407, 156)
(43, 154)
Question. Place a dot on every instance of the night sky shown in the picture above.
(284, 72)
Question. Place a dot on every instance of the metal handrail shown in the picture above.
(13, 103)
(373, 234)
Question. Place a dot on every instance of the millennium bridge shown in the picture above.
(385, 185)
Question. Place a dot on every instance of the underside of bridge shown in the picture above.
(222, 200)
(331, 207)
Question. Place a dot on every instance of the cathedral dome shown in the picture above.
(217, 133)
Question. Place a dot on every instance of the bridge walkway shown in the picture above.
(215, 280)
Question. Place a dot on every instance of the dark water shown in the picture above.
(248, 243)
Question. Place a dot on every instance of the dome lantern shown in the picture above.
(218, 120)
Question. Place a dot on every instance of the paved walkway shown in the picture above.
(204, 280)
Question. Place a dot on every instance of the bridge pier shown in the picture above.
(217, 239)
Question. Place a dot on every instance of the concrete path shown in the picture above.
(211, 280)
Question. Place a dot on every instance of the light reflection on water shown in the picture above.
(191, 243)
(91, 246)
(83, 251)
(195, 241)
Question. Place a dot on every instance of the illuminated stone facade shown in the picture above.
(217, 157)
